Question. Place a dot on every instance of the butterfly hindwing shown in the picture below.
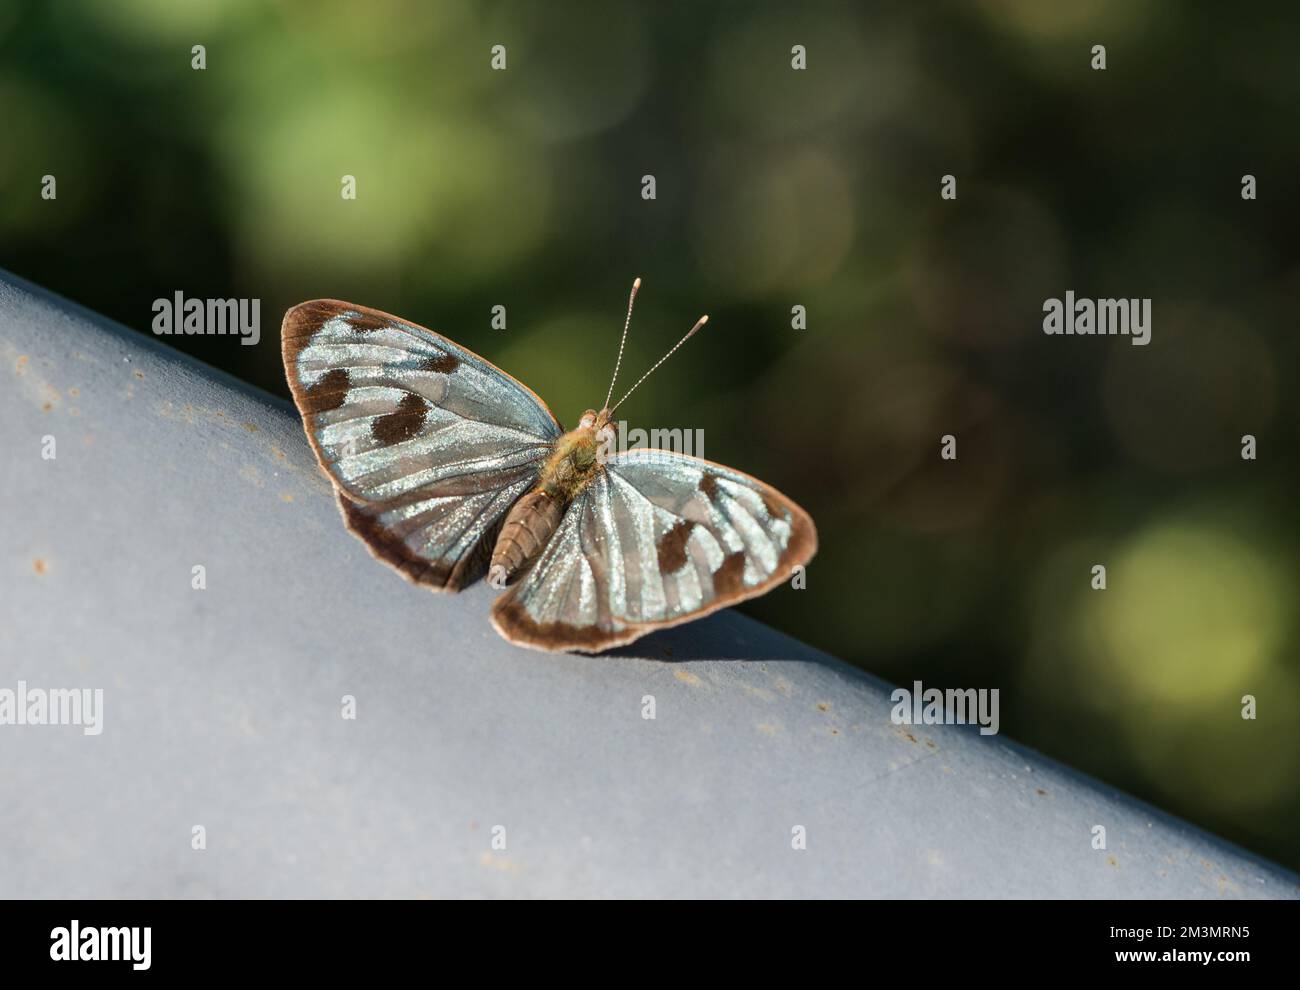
(427, 444)
(656, 539)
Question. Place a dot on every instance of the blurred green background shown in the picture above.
(775, 188)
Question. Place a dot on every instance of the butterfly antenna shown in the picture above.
(623, 340)
(690, 333)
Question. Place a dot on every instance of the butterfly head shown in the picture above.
(600, 424)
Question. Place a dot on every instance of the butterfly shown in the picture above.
(450, 470)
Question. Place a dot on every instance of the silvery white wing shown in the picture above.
(656, 539)
(427, 444)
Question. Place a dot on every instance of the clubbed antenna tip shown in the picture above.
(689, 334)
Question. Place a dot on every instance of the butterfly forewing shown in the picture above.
(656, 539)
(427, 443)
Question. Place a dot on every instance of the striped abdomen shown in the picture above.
(528, 527)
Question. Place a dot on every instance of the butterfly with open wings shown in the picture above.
(449, 470)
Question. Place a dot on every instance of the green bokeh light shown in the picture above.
(1190, 612)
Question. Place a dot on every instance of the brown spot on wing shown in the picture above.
(329, 392)
(444, 363)
(709, 486)
(403, 422)
(772, 505)
(365, 322)
(672, 547)
(729, 579)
